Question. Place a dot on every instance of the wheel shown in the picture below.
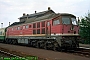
(14, 42)
(54, 48)
(38, 45)
(45, 47)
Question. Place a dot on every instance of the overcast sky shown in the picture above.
(11, 10)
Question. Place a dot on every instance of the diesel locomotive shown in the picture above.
(45, 29)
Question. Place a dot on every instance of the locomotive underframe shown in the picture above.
(52, 42)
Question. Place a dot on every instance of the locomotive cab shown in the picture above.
(69, 25)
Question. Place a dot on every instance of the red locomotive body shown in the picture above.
(45, 29)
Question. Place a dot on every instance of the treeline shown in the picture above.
(85, 29)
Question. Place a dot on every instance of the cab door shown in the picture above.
(48, 29)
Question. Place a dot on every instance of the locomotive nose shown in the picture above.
(68, 42)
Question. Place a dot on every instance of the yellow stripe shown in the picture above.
(48, 34)
(30, 35)
(65, 34)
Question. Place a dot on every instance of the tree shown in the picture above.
(85, 29)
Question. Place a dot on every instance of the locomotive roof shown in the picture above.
(39, 16)
(16, 23)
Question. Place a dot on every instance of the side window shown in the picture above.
(23, 27)
(55, 22)
(26, 26)
(1, 33)
(38, 25)
(38, 31)
(12, 29)
(43, 31)
(15, 28)
(48, 23)
(30, 26)
(34, 31)
(43, 24)
(18, 28)
(34, 25)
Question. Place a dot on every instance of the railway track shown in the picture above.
(4, 55)
(8, 54)
(81, 52)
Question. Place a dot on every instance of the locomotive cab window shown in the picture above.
(74, 22)
(55, 22)
(65, 20)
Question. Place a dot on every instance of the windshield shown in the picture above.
(65, 20)
(74, 21)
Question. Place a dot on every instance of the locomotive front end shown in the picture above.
(70, 32)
